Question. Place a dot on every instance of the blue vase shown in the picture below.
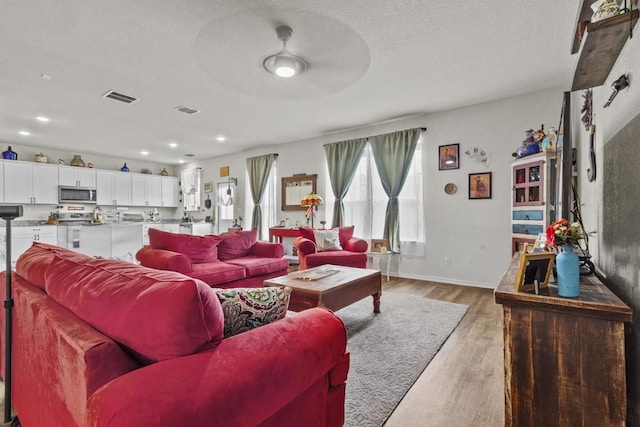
(9, 154)
(124, 168)
(568, 272)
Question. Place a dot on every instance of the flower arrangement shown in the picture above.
(562, 233)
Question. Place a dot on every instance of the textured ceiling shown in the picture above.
(368, 61)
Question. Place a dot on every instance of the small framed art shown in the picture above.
(379, 245)
(480, 185)
(448, 157)
(534, 271)
(208, 187)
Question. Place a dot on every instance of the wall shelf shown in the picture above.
(601, 45)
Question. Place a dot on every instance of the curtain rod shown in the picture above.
(423, 129)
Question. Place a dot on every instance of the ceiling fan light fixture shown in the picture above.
(284, 63)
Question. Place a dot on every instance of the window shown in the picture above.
(366, 202)
(191, 181)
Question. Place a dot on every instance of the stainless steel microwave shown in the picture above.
(76, 194)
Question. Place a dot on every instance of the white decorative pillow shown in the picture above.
(327, 240)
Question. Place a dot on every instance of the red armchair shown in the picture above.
(352, 254)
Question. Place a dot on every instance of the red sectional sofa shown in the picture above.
(229, 260)
(108, 343)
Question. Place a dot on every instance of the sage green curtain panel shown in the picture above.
(393, 153)
(342, 162)
(258, 169)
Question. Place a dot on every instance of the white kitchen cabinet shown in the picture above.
(126, 240)
(146, 190)
(196, 228)
(169, 227)
(75, 176)
(113, 188)
(21, 239)
(93, 240)
(120, 241)
(30, 183)
(170, 197)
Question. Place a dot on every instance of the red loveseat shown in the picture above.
(229, 260)
(108, 343)
(352, 254)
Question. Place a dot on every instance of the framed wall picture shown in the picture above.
(480, 185)
(208, 187)
(294, 188)
(449, 157)
(379, 245)
(534, 271)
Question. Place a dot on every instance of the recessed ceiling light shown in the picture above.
(220, 138)
(24, 133)
(43, 119)
(144, 153)
(180, 161)
(173, 144)
(189, 155)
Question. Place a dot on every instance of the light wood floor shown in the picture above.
(463, 384)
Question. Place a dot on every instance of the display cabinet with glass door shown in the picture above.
(535, 197)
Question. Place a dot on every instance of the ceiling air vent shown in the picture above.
(120, 97)
(186, 110)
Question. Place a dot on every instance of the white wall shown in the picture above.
(474, 234)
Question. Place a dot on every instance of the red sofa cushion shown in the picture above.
(199, 249)
(162, 259)
(33, 263)
(217, 273)
(237, 244)
(344, 234)
(356, 244)
(258, 266)
(157, 315)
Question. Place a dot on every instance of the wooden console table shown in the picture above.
(564, 358)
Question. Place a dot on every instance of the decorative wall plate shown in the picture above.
(450, 188)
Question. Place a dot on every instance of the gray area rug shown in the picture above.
(390, 350)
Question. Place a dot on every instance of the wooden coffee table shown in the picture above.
(330, 286)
